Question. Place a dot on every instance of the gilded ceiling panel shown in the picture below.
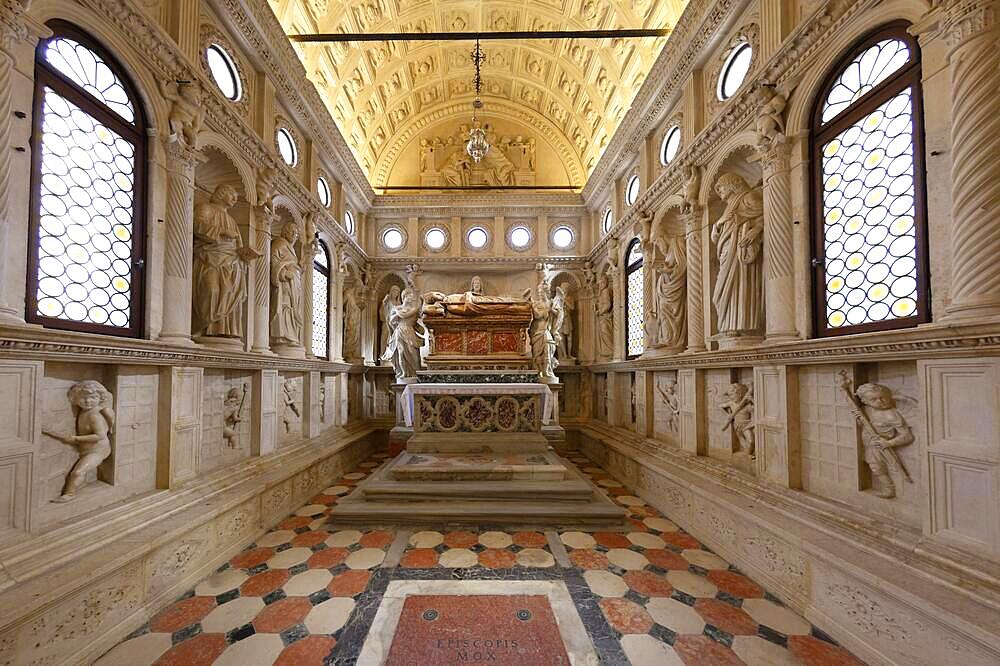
(572, 94)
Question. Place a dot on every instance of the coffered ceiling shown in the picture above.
(570, 95)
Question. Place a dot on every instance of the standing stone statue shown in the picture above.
(671, 294)
(287, 289)
(405, 342)
(605, 307)
(389, 301)
(94, 417)
(219, 266)
(543, 345)
(562, 324)
(738, 235)
(352, 324)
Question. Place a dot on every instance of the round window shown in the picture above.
(286, 147)
(562, 238)
(608, 221)
(223, 71)
(323, 191)
(349, 221)
(734, 70)
(392, 239)
(671, 142)
(477, 238)
(632, 191)
(435, 238)
(520, 238)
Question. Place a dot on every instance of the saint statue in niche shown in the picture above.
(219, 266)
(94, 418)
(671, 293)
(543, 345)
(605, 314)
(473, 302)
(287, 290)
(352, 324)
(738, 236)
(389, 301)
(405, 342)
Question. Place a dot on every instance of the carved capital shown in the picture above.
(181, 157)
(967, 19)
(12, 26)
(774, 158)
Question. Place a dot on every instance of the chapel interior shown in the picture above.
(413, 332)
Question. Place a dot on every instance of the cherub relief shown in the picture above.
(186, 115)
(94, 418)
(738, 406)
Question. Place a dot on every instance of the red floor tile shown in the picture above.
(327, 558)
(495, 558)
(310, 651)
(648, 584)
(703, 651)
(730, 619)
(294, 522)
(530, 539)
(201, 650)
(419, 558)
(376, 539)
(666, 559)
(611, 539)
(282, 614)
(588, 559)
(680, 539)
(814, 652)
(461, 539)
(251, 558)
(310, 539)
(348, 584)
(735, 584)
(264, 583)
(626, 616)
(181, 614)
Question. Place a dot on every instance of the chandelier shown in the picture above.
(478, 146)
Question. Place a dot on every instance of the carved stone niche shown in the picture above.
(291, 407)
(220, 267)
(735, 251)
(510, 161)
(729, 403)
(226, 413)
(119, 403)
(666, 407)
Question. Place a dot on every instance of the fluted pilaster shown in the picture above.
(779, 266)
(975, 153)
(181, 160)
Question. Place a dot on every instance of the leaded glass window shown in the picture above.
(88, 190)
(869, 203)
(635, 306)
(321, 302)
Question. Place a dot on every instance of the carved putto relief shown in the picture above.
(186, 113)
(232, 415)
(883, 429)
(94, 415)
(737, 403)
(510, 161)
(671, 403)
(290, 411)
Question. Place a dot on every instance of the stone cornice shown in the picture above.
(485, 262)
(32, 343)
(475, 203)
(931, 340)
(260, 28)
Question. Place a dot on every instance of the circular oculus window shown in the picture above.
(632, 190)
(286, 147)
(562, 238)
(477, 238)
(520, 237)
(608, 221)
(393, 239)
(323, 191)
(671, 143)
(734, 70)
(435, 239)
(349, 222)
(224, 72)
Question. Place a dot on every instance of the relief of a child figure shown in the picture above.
(231, 416)
(883, 429)
(92, 407)
(738, 405)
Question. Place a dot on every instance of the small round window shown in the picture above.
(520, 238)
(671, 143)
(608, 221)
(392, 239)
(323, 191)
(734, 70)
(562, 238)
(349, 222)
(477, 238)
(286, 147)
(223, 71)
(435, 238)
(632, 191)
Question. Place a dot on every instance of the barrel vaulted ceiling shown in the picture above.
(571, 93)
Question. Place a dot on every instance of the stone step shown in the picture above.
(569, 490)
(477, 467)
(597, 514)
(499, 443)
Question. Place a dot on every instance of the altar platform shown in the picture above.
(479, 453)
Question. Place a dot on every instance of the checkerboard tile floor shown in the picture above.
(665, 598)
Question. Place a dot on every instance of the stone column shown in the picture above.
(179, 237)
(975, 158)
(337, 274)
(307, 301)
(692, 218)
(12, 30)
(261, 304)
(779, 262)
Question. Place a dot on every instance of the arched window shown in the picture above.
(321, 302)
(635, 305)
(88, 191)
(869, 215)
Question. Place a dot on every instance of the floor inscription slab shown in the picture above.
(480, 629)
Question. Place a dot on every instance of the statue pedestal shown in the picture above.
(289, 351)
(733, 340)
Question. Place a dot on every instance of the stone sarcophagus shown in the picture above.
(487, 342)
